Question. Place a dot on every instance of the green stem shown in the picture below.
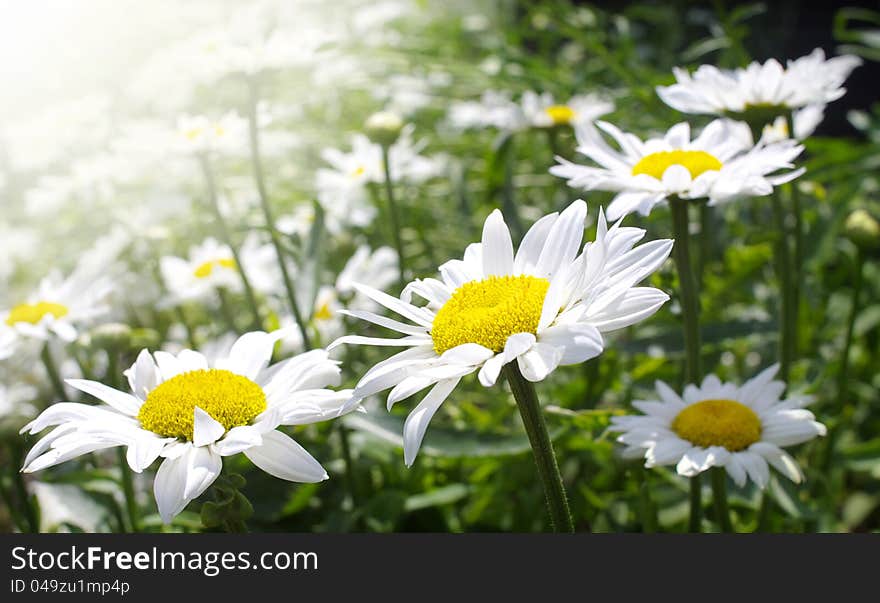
(843, 373)
(542, 448)
(30, 511)
(508, 203)
(260, 180)
(785, 286)
(719, 499)
(226, 309)
(690, 313)
(690, 301)
(52, 372)
(797, 268)
(706, 218)
(226, 235)
(178, 308)
(393, 216)
(647, 508)
(125, 477)
(764, 512)
(695, 520)
(125, 473)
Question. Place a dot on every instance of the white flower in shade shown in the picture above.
(542, 111)
(764, 91)
(544, 306)
(721, 165)
(493, 110)
(211, 266)
(740, 428)
(809, 80)
(192, 413)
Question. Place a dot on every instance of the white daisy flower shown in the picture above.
(192, 414)
(765, 90)
(720, 164)
(542, 111)
(211, 266)
(740, 428)
(544, 306)
(57, 308)
(200, 134)
(342, 188)
(493, 110)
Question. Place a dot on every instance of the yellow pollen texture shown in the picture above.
(205, 269)
(560, 114)
(230, 399)
(487, 312)
(696, 162)
(34, 313)
(726, 423)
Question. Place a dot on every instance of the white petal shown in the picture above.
(563, 241)
(541, 360)
(238, 439)
(283, 458)
(206, 430)
(497, 246)
(124, 403)
(417, 422)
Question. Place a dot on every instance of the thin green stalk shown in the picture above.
(764, 512)
(125, 477)
(542, 448)
(719, 499)
(647, 508)
(52, 372)
(226, 235)
(706, 220)
(178, 308)
(125, 473)
(30, 511)
(260, 180)
(395, 219)
(695, 519)
(843, 373)
(798, 236)
(786, 334)
(690, 301)
(226, 310)
(690, 313)
(508, 202)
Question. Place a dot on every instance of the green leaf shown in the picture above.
(436, 498)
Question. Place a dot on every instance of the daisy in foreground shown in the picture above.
(721, 164)
(740, 429)
(192, 415)
(527, 312)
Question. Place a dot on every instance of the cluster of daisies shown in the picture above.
(547, 302)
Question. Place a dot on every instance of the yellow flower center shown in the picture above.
(205, 269)
(34, 313)
(193, 133)
(487, 312)
(656, 164)
(230, 399)
(323, 312)
(726, 423)
(560, 114)
(358, 172)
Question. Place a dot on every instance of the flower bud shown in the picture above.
(383, 127)
(863, 230)
(111, 336)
